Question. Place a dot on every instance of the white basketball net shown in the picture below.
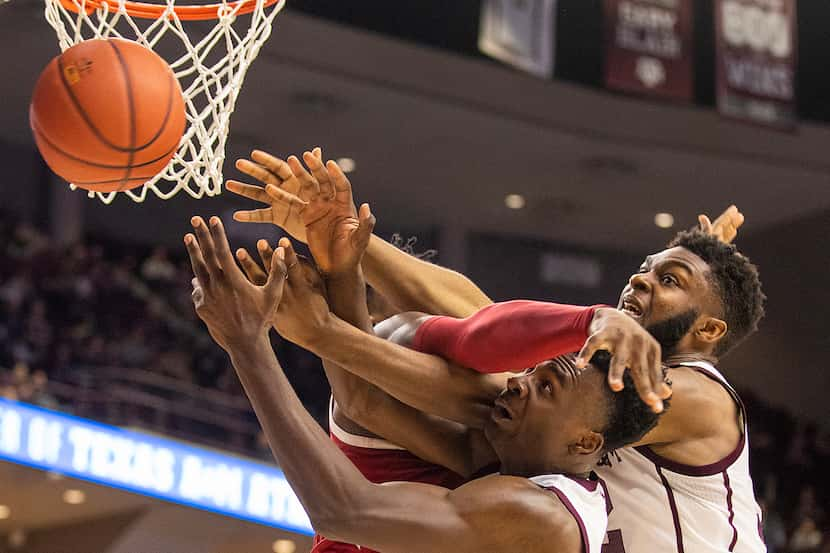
(211, 72)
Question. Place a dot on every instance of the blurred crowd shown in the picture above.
(66, 312)
(788, 458)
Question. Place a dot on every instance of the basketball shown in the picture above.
(107, 114)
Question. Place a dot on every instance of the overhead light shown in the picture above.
(74, 497)
(284, 546)
(347, 164)
(664, 220)
(5, 512)
(514, 201)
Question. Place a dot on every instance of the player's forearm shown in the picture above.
(346, 294)
(415, 285)
(435, 440)
(326, 483)
(425, 382)
(347, 299)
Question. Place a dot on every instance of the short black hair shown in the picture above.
(734, 280)
(628, 416)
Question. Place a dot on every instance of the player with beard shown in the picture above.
(379, 460)
(686, 485)
(546, 497)
(690, 474)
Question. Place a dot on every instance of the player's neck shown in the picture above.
(530, 470)
(679, 357)
(690, 349)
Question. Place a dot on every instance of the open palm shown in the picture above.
(336, 233)
(270, 170)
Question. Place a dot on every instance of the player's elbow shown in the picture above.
(339, 521)
(334, 528)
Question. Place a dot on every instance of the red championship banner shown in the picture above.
(756, 60)
(648, 47)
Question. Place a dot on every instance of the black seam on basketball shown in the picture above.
(172, 88)
(81, 111)
(125, 71)
(92, 163)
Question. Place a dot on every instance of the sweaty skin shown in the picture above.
(499, 513)
(692, 433)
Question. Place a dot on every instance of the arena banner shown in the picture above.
(756, 61)
(149, 465)
(519, 33)
(648, 47)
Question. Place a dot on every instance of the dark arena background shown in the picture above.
(543, 168)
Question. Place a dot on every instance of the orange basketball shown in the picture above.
(107, 114)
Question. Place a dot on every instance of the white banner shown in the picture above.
(519, 33)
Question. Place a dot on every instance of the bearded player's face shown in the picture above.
(668, 295)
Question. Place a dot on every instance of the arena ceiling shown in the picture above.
(439, 140)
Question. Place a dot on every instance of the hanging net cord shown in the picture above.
(210, 71)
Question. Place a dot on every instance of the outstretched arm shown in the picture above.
(340, 502)
(461, 449)
(337, 236)
(426, 382)
(413, 284)
(408, 282)
(340, 235)
(518, 334)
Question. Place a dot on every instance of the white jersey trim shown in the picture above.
(587, 505)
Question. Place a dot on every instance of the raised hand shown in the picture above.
(283, 212)
(303, 312)
(336, 233)
(725, 227)
(631, 347)
(235, 310)
(256, 274)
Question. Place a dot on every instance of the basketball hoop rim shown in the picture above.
(144, 10)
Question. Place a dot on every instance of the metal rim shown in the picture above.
(144, 10)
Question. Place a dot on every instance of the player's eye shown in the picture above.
(546, 387)
(668, 280)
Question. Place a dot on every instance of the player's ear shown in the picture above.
(588, 443)
(711, 330)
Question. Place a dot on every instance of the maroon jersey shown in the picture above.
(381, 461)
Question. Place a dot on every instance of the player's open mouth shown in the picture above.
(501, 411)
(631, 308)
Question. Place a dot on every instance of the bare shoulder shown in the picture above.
(400, 328)
(520, 516)
(693, 429)
(496, 514)
(701, 399)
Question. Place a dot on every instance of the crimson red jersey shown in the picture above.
(381, 461)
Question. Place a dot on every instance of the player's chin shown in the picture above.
(499, 430)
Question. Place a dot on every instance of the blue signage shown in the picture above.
(149, 465)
